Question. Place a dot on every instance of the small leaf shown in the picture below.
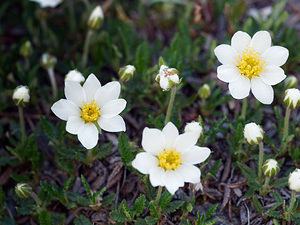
(125, 149)
(152, 209)
(82, 220)
(125, 209)
(258, 207)
(165, 199)
(211, 210)
(44, 218)
(139, 205)
(277, 197)
(150, 220)
(87, 188)
(173, 206)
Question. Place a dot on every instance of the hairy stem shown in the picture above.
(171, 102)
(244, 108)
(22, 123)
(86, 48)
(260, 161)
(53, 82)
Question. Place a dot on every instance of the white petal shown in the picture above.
(189, 173)
(240, 88)
(276, 55)
(156, 175)
(91, 85)
(113, 108)
(88, 135)
(153, 140)
(108, 92)
(228, 73)
(171, 133)
(114, 124)
(144, 161)
(164, 83)
(261, 41)
(75, 93)
(196, 155)
(226, 54)
(272, 75)
(185, 141)
(240, 40)
(65, 108)
(172, 180)
(262, 92)
(74, 124)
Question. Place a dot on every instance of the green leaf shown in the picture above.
(213, 171)
(47, 127)
(125, 149)
(165, 199)
(118, 216)
(258, 207)
(247, 171)
(45, 218)
(125, 209)
(150, 220)
(86, 187)
(173, 206)
(211, 210)
(275, 222)
(97, 194)
(139, 205)
(153, 209)
(274, 214)
(82, 220)
(108, 199)
(140, 221)
(162, 61)
(281, 182)
(210, 222)
(277, 197)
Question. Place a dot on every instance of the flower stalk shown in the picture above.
(52, 81)
(22, 123)
(266, 186)
(171, 102)
(260, 161)
(244, 108)
(86, 48)
(290, 209)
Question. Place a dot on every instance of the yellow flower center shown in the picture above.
(250, 63)
(90, 112)
(169, 159)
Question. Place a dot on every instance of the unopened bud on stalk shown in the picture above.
(75, 76)
(23, 190)
(26, 49)
(21, 95)
(167, 77)
(290, 82)
(253, 133)
(294, 180)
(194, 127)
(126, 73)
(204, 91)
(270, 168)
(292, 97)
(48, 61)
(96, 18)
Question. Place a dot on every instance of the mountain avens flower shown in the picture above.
(251, 63)
(21, 95)
(89, 108)
(167, 77)
(294, 180)
(194, 127)
(292, 97)
(126, 73)
(48, 3)
(169, 158)
(74, 75)
(253, 133)
(270, 168)
(291, 82)
(96, 18)
(23, 190)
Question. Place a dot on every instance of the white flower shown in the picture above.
(48, 61)
(96, 18)
(48, 3)
(21, 95)
(253, 133)
(292, 97)
(89, 106)
(169, 158)
(261, 13)
(270, 168)
(74, 75)
(167, 77)
(126, 73)
(294, 180)
(194, 127)
(251, 63)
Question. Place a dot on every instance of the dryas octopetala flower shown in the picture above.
(21, 95)
(89, 108)
(292, 97)
(167, 77)
(169, 158)
(253, 133)
(294, 180)
(290, 82)
(126, 73)
(96, 18)
(23, 190)
(48, 3)
(251, 63)
(194, 127)
(75, 76)
(270, 168)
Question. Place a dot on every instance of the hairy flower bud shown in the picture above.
(204, 91)
(23, 190)
(21, 95)
(75, 76)
(126, 73)
(194, 127)
(26, 49)
(292, 97)
(167, 77)
(294, 180)
(96, 18)
(270, 167)
(253, 133)
(48, 61)
(290, 82)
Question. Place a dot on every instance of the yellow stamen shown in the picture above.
(169, 159)
(250, 63)
(90, 112)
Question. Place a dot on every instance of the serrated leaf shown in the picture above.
(150, 220)
(124, 149)
(281, 182)
(117, 216)
(258, 207)
(139, 205)
(211, 210)
(97, 194)
(108, 199)
(86, 187)
(82, 220)
(173, 206)
(47, 127)
(152, 209)
(125, 209)
(213, 171)
(247, 171)
(211, 222)
(274, 214)
(45, 218)
(277, 197)
(275, 222)
(140, 221)
(165, 199)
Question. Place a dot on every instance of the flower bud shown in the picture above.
(294, 180)
(194, 127)
(48, 61)
(21, 95)
(26, 49)
(48, 3)
(23, 190)
(75, 76)
(292, 97)
(126, 73)
(198, 186)
(290, 82)
(270, 168)
(204, 91)
(253, 133)
(96, 18)
(167, 77)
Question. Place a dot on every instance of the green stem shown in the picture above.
(171, 102)
(158, 195)
(292, 202)
(53, 82)
(22, 123)
(244, 109)
(87, 4)
(86, 48)
(36, 198)
(90, 157)
(72, 16)
(265, 187)
(260, 161)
